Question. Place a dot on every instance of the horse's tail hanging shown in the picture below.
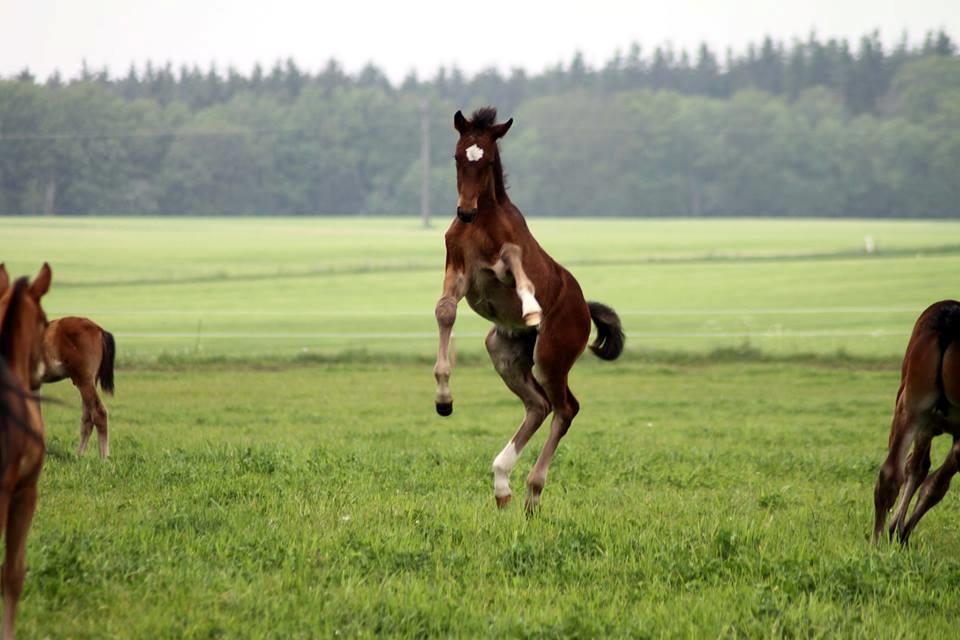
(609, 342)
(105, 372)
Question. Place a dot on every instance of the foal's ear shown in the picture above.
(459, 122)
(4, 278)
(41, 284)
(500, 130)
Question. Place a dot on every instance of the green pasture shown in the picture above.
(278, 470)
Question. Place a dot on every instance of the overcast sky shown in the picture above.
(422, 35)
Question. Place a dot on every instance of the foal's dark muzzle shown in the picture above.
(466, 216)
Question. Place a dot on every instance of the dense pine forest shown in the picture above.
(808, 128)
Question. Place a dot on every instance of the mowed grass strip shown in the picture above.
(301, 501)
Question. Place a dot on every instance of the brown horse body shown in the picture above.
(22, 323)
(928, 404)
(79, 349)
(539, 313)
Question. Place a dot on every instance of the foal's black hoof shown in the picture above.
(444, 408)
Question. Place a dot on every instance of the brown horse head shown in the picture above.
(23, 325)
(479, 171)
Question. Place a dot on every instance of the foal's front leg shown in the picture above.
(454, 288)
(511, 260)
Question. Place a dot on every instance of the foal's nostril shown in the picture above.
(466, 216)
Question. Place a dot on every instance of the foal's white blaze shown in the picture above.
(474, 153)
(502, 466)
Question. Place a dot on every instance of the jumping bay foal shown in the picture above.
(928, 404)
(539, 313)
(22, 323)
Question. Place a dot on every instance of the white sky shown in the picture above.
(400, 35)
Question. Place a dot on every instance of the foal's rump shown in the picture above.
(571, 302)
(944, 322)
(79, 348)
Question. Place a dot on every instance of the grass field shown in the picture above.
(278, 469)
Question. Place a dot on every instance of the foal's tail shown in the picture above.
(105, 373)
(609, 342)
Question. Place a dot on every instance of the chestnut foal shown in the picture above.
(22, 322)
(928, 404)
(79, 349)
(538, 310)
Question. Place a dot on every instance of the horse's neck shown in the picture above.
(18, 361)
(501, 214)
(19, 364)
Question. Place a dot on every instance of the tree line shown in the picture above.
(813, 128)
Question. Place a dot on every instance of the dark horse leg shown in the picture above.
(563, 337)
(933, 490)
(512, 357)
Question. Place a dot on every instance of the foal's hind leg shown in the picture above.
(565, 409)
(917, 467)
(86, 424)
(513, 359)
(933, 490)
(557, 350)
(100, 421)
(94, 415)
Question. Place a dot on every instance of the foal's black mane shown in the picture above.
(484, 118)
(481, 120)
